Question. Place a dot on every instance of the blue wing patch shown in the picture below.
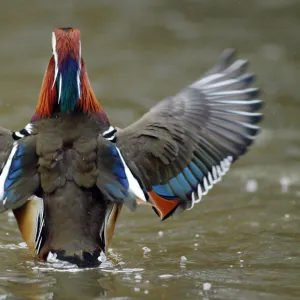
(118, 170)
(118, 167)
(182, 185)
(15, 169)
(191, 184)
(19, 179)
(164, 191)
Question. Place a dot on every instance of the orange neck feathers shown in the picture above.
(87, 103)
(48, 94)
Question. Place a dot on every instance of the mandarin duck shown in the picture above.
(67, 174)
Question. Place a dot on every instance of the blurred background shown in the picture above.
(242, 241)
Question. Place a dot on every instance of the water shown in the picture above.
(242, 241)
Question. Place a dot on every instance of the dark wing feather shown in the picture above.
(186, 143)
(19, 179)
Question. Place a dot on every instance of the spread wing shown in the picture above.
(186, 143)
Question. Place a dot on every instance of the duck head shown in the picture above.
(66, 87)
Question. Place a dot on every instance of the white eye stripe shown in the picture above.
(78, 83)
(55, 57)
(79, 54)
(59, 88)
(79, 70)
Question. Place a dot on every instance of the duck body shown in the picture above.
(71, 214)
(68, 172)
(75, 209)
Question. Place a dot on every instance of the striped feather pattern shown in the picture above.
(185, 144)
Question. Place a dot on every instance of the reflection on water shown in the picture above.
(242, 242)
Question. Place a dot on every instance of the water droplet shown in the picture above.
(22, 245)
(10, 214)
(251, 186)
(183, 258)
(166, 276)
(102, 257)
(51, 257)
(206, 286)
(146, 250)
(285, 183)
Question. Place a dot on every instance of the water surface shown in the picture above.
(242, 241)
